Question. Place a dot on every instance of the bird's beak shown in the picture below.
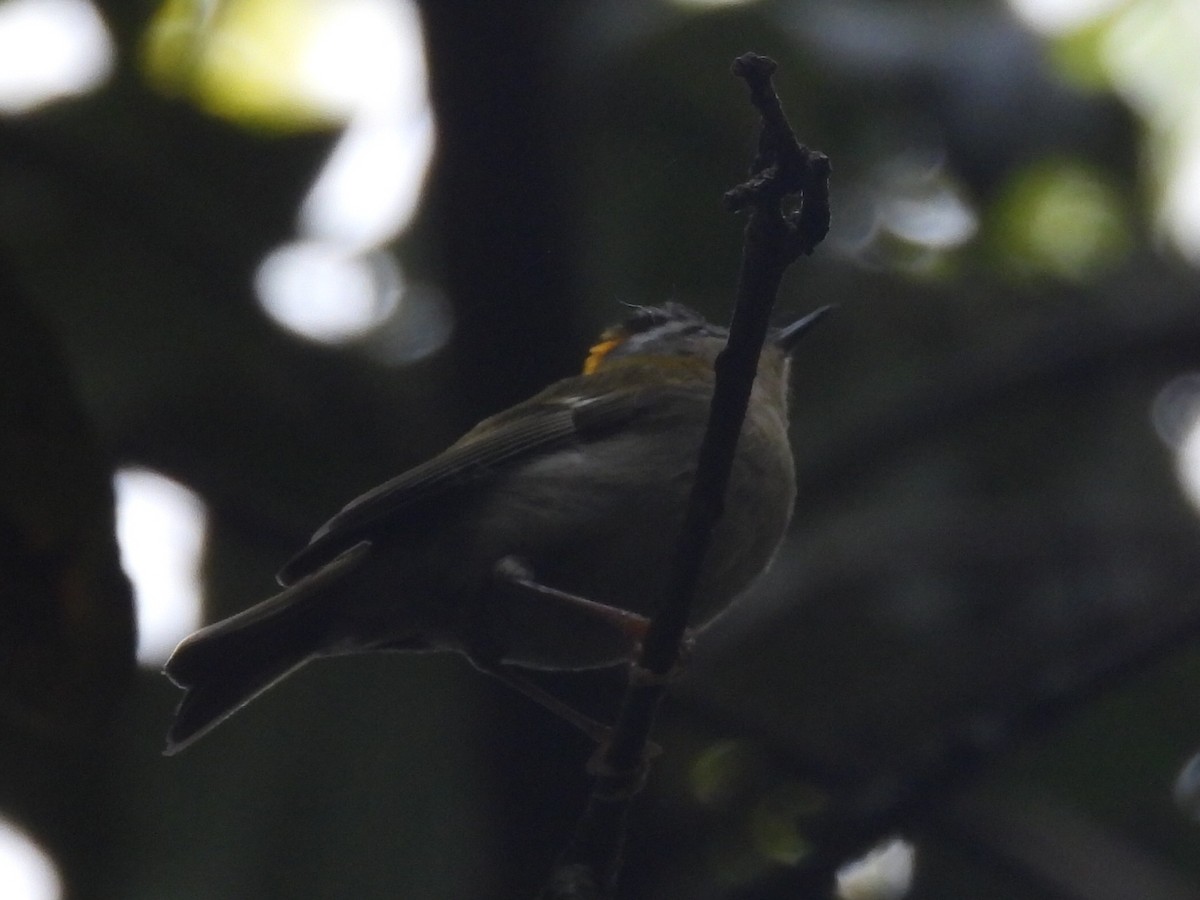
(787, 338)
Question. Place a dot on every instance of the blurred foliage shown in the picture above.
(981, 631)
(1060, 219)
(240, 60)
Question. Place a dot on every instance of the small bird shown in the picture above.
(540, 539)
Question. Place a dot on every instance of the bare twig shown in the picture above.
(773, 241)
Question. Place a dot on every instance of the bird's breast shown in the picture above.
(600, 519)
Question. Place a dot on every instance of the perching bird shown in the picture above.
(581, 488)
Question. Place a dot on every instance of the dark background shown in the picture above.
(979, 635)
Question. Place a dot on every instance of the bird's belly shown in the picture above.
(612, 540)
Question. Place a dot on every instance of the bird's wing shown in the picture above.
(549, 420)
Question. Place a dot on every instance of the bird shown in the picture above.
(540, 539)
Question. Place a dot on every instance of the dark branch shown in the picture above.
(773, 241)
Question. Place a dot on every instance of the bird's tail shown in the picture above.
(226, 665)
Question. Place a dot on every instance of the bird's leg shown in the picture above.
(516, 576)
(484, 648)
(597, 731)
